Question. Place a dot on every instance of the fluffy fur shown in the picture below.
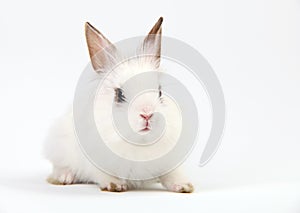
(62, 148)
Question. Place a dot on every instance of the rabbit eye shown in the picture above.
(159, 92)
(119, 96)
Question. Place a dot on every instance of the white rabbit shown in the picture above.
(62, 148)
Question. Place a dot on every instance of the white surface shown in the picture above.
(254, 48)
(31, 194)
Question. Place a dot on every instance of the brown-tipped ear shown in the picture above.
(152, 42)
(100, 48)
(156, 29)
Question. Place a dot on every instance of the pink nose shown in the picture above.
(146, 116)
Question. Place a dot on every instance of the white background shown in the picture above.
(254, 48)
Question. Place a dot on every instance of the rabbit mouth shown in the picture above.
(146, 129)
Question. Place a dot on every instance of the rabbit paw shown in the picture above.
(115, 187)
(182, 187)
(61, 177)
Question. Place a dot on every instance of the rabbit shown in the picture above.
(71, 166)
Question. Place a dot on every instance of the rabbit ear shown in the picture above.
(101, 50)
(152, 42)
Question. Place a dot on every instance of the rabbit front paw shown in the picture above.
(114, 187)
(182, 187)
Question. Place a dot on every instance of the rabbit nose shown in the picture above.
(146, 116)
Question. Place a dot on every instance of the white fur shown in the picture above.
(63, 150)
(62, 147)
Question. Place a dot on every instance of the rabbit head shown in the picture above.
(142, 108)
